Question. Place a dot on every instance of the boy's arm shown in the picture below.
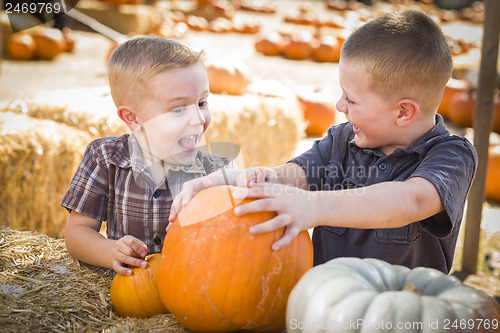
(383, 205)
(84, 242)
(288, 174)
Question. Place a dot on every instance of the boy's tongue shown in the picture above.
(188, 143)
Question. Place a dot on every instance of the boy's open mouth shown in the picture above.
(355, 128)
(189, 143)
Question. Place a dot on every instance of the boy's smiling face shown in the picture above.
(174, 115)
(372, 115)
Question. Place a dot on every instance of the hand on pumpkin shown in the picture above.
(256, 175)
(128, 251)
(190, 188)
(291, 204)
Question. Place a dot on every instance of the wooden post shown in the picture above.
(483, 120)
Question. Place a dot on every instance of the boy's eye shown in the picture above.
(349, 101)
(179, 109)
(202, 104)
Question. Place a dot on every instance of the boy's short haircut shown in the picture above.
(406, 54)
(135, 62)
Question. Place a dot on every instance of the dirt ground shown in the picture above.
(85, 67)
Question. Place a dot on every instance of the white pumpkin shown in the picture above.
(370, 295)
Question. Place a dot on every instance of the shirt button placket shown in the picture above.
(382, 166)
(156, 195)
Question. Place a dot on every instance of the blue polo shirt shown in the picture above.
(447, 161)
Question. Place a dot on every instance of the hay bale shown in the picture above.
(37, 161)
(267, 129)
(126, 19)
(88, 109)
(44, 289)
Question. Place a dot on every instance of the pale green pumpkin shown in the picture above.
(370, 295)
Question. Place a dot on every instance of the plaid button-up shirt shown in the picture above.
(112, 183)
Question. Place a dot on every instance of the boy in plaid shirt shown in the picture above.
(160, 89)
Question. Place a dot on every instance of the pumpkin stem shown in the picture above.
(411, 287)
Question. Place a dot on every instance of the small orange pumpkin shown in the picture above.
(21, 46)
(493, 174)
(50, 43)
(319, 109)
(453, 87)
(461, 109)
(217, 277)
(298, 47)
(227, 76)
(327, 49)
(268, 44)
(137, 295)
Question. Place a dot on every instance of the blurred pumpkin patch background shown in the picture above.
(273, 69)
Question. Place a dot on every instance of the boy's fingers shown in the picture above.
(137, 246)
(121, 269)
(276, 222)
(290, 233)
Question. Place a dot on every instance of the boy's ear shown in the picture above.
(408, 112)
(128, 116)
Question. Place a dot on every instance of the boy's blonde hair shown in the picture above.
(134, 63)
(406, 54)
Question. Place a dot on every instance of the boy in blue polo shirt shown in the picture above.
(389, 184)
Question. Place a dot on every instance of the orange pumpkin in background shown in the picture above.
(461, 109)
(268, 44)
(137, 295)
(227, 76)
(319, 109)
(217, 277)
(21, 46)
(326, 49)
(453, 87)
(50, 42)
(298, 47)
(493, 174)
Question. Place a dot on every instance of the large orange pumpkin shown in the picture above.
(493, 174)
(217, 277)
(319, 109)
(137, 295)
(453, 87)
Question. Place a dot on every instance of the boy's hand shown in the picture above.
(292, 205)
(190, 188)
(128, 251)
(256, 175)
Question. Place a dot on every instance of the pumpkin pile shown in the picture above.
(300, 46)
(361, 295)
(217, 277)
(39, 43)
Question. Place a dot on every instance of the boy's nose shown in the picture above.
(197, 117)
(340, 106)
